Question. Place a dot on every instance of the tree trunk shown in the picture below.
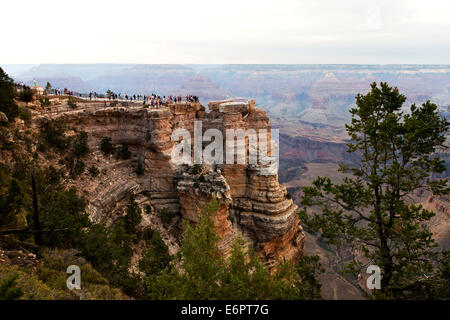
(36, 218)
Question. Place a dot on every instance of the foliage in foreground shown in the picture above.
(201, 271)
(47, 280)
(9, 289)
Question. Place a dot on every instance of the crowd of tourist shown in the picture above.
(153, 100)
(139, 97)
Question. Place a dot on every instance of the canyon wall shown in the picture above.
(254, 206)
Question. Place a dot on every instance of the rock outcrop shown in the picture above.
(254, 205)
(3, 117)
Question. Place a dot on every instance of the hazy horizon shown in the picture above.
(250, 32)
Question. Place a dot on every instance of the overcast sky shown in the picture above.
(230, 31)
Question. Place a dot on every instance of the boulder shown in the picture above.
(3, 117)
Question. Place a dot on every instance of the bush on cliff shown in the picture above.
(7, 93)
(166, 215)
(139, 169)
(78, 149)
(123, 152)
(106, 146)
(12, 197)
(53, 134)
(25, 114)
(45, 102)
(79, 145)
(72, 102)
(133, 216)
(26, 95)
(93, 170)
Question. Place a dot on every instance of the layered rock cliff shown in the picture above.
(254, 206)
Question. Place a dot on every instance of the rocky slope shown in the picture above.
(254, 206)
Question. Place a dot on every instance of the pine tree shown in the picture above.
(48, 87)
(9, 289)
(7, 93)
(370, 211)
(201, 271)
(133, 216)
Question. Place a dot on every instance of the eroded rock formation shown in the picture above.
(254, 206)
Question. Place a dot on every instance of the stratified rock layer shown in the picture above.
(254, 206)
